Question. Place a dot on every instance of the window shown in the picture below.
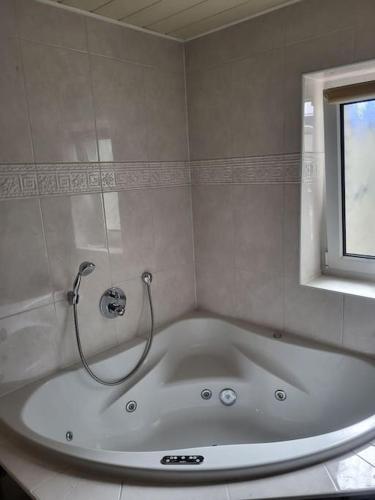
(350, 183)
(358, 177)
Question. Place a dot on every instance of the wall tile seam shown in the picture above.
(363, 459)
(48, 303)
(351, 27)
(161, 68)
(252, 55)
(187, 130)
(232, 61)
(51, 45)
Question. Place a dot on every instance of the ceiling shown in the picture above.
(183, 19)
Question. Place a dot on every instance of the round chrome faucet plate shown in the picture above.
(113, 303)
(228, 396)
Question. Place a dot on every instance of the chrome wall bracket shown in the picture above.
(113, 303)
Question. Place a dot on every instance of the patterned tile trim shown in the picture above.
(18, 181)
(248, 170)
(118, 176)
(68, 179)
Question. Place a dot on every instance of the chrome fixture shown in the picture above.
(228, 396)
(280, 395)
(131, 406)
(116, 306)
(147, 277)
(113, 303)
(206, 394)
(85, 269)
(69, 436)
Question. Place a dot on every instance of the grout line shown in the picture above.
(330, 477)
(27, 310)
(187, 128)
(27, 103)
(96, 54)
(362, 458)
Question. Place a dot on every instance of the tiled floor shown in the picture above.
(46, 480)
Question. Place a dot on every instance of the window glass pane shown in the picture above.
(359, 177)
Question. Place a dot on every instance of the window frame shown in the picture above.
(336, 260)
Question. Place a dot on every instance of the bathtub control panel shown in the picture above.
(182, 460)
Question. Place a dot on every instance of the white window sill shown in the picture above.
(360, 288)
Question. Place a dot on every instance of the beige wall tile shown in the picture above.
(24, 275)
(120, 107)
(209, 109)
(172, 226)
(240, 41)
(173, 293)
(28, 347)
(166, 121)
(8, 25)
(214, 230)
(215, 287)
(44, 23)
(359, 324)
(257, 104)
(258, 213)
(15, 139)
(131, 45)
(60, 104)
(314, 18)
(75, 232)
(130, 229)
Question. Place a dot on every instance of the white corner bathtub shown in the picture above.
(329, 406)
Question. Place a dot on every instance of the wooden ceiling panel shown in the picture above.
(161, 10)
(194, 14)
(243, 11)
(182, 19)
(89, 5)
(119, 9)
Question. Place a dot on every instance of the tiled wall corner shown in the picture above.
(243, 127)
(73, 188)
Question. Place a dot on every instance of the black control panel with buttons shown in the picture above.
(182, 460)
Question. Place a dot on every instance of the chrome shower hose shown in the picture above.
(141, 360)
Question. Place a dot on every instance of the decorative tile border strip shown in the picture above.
(18, 181)
(119, 177)
(68, 178)
(270, 169)
(27, 180)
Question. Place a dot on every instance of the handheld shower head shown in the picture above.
(86, 268)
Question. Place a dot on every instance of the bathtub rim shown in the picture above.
(133, 463)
